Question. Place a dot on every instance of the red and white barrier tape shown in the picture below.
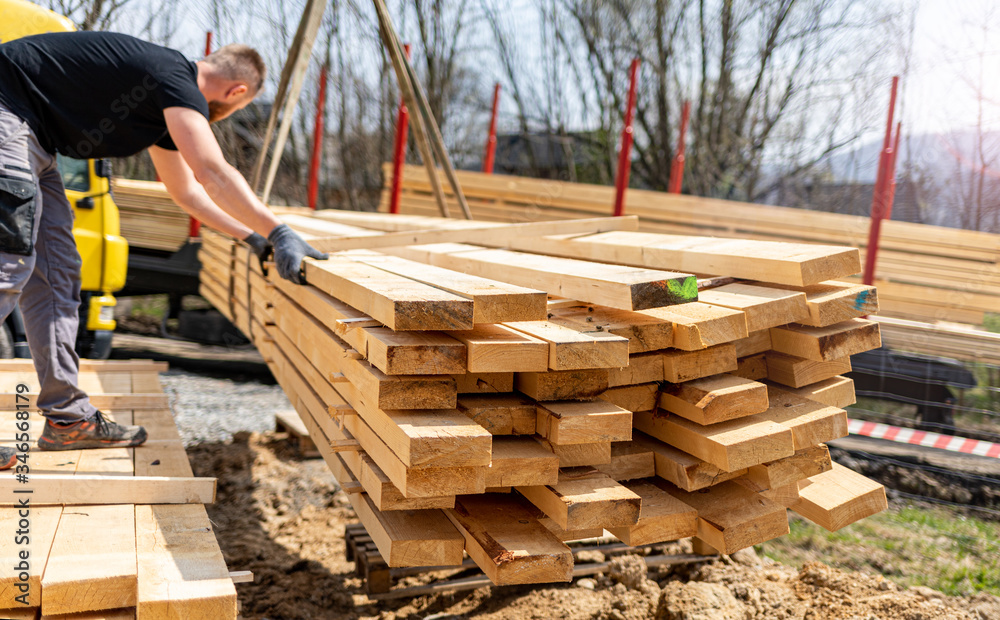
(923, 438)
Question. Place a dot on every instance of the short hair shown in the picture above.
(241, 63)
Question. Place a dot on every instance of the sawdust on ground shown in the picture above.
(283, 518)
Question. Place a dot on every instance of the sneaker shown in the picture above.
(8, 456)
(94, 432)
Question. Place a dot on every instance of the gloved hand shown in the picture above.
(260, 246)
(289, 250)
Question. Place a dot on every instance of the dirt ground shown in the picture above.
(283, 518)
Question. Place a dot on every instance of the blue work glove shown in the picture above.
(289, 250)
(260, 246)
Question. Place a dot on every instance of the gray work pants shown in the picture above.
(40, 266)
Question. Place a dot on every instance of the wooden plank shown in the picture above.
(410, 537)
(662, 517)
(580, 454)
(519, 461)
(680, 468)
(484, 233)
(833, 302)
(92, 563)
(484, 382)
(397, 302)
(732, 517)
(81, 489)
(641, 397)
(731, 445)
(835, 392)
(625, 288)
(492, 301)
(496, 348)
(797, 372)
(811, 422)
(680, 366)
(576, 422)
(644, 332)
(642, 368)
(43, 524)
(585, 498)
(764, 307)
(824, 344)
(500, 414)
(180, 568)
(508, 543)
(562, 384)
(570, 349)
(753, 367)
(88, 365)
(839, 497)
(698, 326)
(414, 353)
(803, 464)
(629, 461)
(714, 399)
(756, 342)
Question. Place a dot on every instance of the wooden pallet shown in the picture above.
(290, 423)
(126, 555)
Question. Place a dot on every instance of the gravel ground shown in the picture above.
(209, 409)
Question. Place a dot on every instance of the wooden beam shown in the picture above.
(731, 445)
(833, 302)
(398, 303)
(492, 301)
(714, 399)
(101, 401)
(835, 392)
(811, 422)
(562, 384)
(570, 349)
(508, 543)
(680, 468)
(81, 489)
(797, 372)
(580, 454)
(496, 348)
(662, 517)
(732, 517)
(410, 537)
(642, 368)
(521, 461)
(698, 326)
(839, 497)
(484, 382)
(585, 498)
(500, 414)
(756, 342)
(824, 344)
(642, 397)
(629, 461)
(680, 366)
(625, 288)
(803, 464)
(753, 367)
(488, 234)
(764, 307)
(576, 422)
(644, 332)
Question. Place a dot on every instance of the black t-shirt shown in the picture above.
(96, 94)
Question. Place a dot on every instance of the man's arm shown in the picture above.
(228, 189)
(190, 195)
(224, 184)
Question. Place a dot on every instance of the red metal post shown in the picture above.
(677, 169)
(194, 226)
(892, 169)
(491, 142)
(881, 195)
(317, 153)
(399, 152)
(625, 155)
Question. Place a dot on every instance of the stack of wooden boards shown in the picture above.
(111, 533)
(149, 217)
(925, 273)
(479, 399)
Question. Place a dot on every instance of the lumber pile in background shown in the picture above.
(149, 217)
(472, 398)
(925, 273)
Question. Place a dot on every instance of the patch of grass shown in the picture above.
(991, 322)
(912, 544)
(150, 305)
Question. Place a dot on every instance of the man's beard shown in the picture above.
(218, 110)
